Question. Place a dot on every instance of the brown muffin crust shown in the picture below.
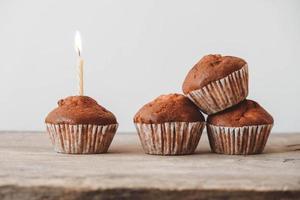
(80, 110)
(169, 108)
(211, 68)
(246, 113)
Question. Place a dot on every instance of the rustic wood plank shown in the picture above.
(30, 169)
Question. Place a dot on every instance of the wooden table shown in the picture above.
(30, 169)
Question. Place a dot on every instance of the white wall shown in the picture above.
(136, 50)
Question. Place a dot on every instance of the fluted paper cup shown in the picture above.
(81, 138)
(223, 93)
(170, 138)
(238, 140)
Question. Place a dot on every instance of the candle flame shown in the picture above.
(78, 45)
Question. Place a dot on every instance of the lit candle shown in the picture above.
(78, 48)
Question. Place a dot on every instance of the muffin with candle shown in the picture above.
(169, 125)
(79, 125)
(217, 82)
(241, 129)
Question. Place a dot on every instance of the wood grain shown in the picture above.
(30, 169)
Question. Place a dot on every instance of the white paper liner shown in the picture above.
(81, 138)
(223, 93)
(170, 138)
(238, 140)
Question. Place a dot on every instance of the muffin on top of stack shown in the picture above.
(218, 85)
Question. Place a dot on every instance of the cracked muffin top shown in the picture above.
(169, 108)
(80, 110)
(211, 68)
(246, 113)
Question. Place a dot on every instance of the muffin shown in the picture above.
(217, 82)
(169, 125)
(79, 125)
(241, 129)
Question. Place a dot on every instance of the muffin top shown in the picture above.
(80, 110)
(211, 68)
(169, 108)
(246, 113)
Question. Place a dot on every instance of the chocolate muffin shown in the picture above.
(80, 110)
(241, 129)
(80, 125)
(217, 82)
(169, 108)
(169, 125)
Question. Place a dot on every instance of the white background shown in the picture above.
(136, 50)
